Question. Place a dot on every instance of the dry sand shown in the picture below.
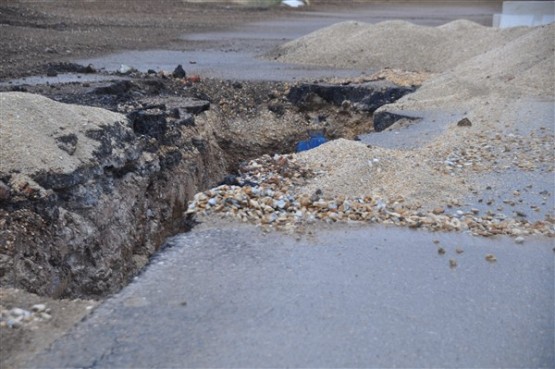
(32, 126)
(349, 168)
(395, 44)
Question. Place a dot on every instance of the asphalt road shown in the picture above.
(347, 297)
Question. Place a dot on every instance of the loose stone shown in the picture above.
(38, 308)
(491, 258)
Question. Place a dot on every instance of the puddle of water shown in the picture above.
(215, 64)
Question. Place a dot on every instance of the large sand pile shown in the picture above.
(395, 44)
(488, 75)
(522, 67)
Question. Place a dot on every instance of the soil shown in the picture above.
(19, 344)
(237, 108)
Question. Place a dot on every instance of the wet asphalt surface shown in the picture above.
(536, 187)
(347, 297)
(236, 54)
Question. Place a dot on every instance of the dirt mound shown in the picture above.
(395, 44)
(455, 179)
(56, 136)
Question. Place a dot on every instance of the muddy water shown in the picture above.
(224, 64)
(234, 54)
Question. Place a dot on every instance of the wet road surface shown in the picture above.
(348, 297)
(235, 54)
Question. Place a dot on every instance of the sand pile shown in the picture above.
(40, 134)
(395, 44)
(271, 192)
(522, 67)
(350, 168)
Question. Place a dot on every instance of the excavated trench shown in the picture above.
(87, 234)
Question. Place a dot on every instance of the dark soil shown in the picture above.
(36, 33)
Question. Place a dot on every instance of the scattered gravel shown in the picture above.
(276, 193)
(17, 317)
(30, 323)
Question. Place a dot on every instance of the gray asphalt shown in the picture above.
(346, 297)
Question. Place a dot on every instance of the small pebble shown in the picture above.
(17, 312)
(452, 263)
(458, 250)
(465, 122)
(519, 239)
(38, 308)
(14, 323)
(45, 316)
(438, 211)
(441, 251)
(491, 258)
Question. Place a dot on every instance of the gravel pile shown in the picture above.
(395, 44)
(280, 193)
(483, 74)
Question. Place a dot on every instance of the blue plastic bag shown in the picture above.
(315, 140)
